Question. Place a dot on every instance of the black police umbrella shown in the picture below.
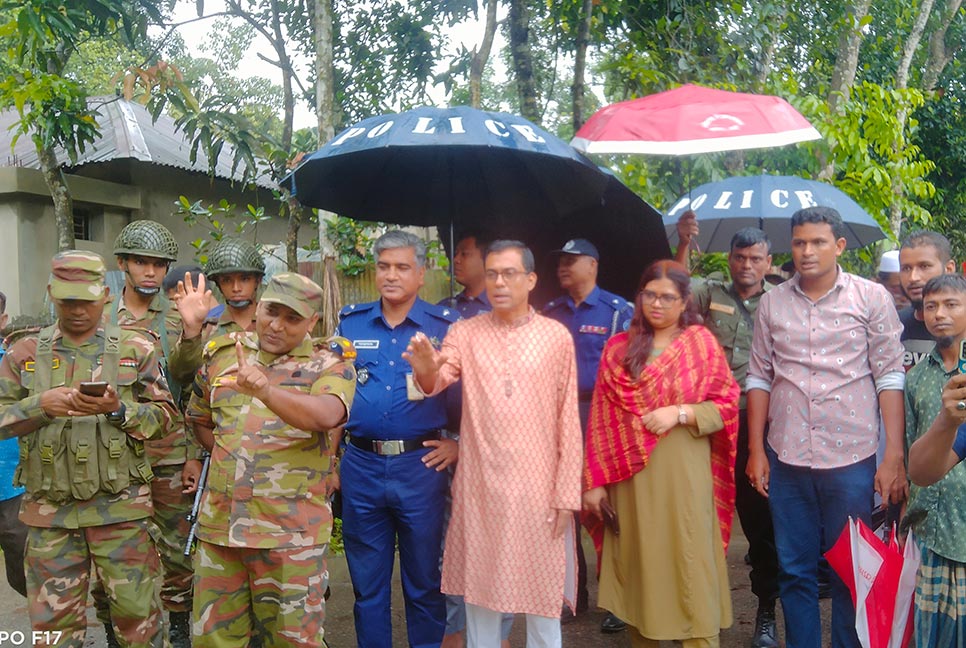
(766, 202)
(457, 168)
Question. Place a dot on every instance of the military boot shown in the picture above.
(179, 632)
(111, 637)
(765, 631)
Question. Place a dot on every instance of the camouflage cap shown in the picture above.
(299, 293)
(76, 274)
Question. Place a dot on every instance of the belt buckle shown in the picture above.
(389, 448)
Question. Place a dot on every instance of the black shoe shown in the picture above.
(824, 588)
(765, 631)
(612, 624)
(179, 633)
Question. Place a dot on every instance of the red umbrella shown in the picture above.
(693, 119)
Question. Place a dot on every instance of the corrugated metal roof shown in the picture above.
(126, 132)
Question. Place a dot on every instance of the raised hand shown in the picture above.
(250, 379)
(193, 304)
(424, 359)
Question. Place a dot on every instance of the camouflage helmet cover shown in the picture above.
(147, 238)
(233, 255)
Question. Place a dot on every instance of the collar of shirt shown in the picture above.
(416, 314)
(765, 287)
(592, 298)
(302, 350)
(936, 358)
(463, 297)
(153, 307)
(841, 282)
(58, 335)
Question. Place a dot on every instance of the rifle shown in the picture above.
(196, 506)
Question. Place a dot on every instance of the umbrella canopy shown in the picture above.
(766, 202)
(457, 168)
(693, 119)
(437, 166)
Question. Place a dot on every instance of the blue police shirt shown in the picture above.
(9, 458)
(382, 408)
(592, 323)
(468, 306)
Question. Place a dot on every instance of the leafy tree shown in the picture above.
(41, 36)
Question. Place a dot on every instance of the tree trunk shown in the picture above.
(292, 235)
(580, 64)
(939, 53)
(523, 60)
(60, 193)
(847, 59)
(325, 113)
(846, 62)
(768, 51)
(902, 82)
(324, 86)
(481, 56)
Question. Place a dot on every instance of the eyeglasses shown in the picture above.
(648, 297)
(508, 275)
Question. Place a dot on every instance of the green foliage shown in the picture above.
(219, 219)
(352, 241)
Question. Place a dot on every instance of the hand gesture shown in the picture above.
(193, 304)
(687, 227)
(250, 379)
(447, 452)
(661, 420)
(424, 359)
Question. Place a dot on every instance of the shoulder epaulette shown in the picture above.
(338, 345)
(349, 309)
(20, 334)
(445, 313)
(220, 342)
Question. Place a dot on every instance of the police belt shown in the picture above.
(391, 447)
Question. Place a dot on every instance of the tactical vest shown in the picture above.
(160, 327)
(74, 457)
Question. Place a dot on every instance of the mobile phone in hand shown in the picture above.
(94, 388)
(962, 356)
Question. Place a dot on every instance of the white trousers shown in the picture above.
(483, 629)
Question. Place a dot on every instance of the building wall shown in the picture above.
(27, 221)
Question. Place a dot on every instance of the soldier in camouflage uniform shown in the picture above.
(144, 250)
(264, 403)
(237, 269)
(82, 459)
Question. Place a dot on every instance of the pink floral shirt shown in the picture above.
(824, 362)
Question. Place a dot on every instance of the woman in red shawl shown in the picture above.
(661, 455)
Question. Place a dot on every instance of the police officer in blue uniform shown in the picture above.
(468, 272)
(393, 476)
(592, 316)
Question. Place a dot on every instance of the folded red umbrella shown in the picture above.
(881, 577)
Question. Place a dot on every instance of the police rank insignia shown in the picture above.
(362, 375)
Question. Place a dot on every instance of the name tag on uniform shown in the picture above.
(594, 330)
(365, 344)
(722, 308)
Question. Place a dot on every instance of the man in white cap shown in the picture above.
(888, 276)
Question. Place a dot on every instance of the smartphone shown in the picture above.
(93, 388)
(962, 356)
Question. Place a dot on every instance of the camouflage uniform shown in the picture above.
(265, 521)
(87, 497)
(226, 256)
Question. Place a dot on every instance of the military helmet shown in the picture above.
(147, 238)
(233, 255)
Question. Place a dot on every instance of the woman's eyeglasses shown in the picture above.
(667, 299)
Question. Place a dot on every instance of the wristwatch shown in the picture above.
(682, 415)
(118, 416)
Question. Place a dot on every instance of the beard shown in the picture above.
(945, 341)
